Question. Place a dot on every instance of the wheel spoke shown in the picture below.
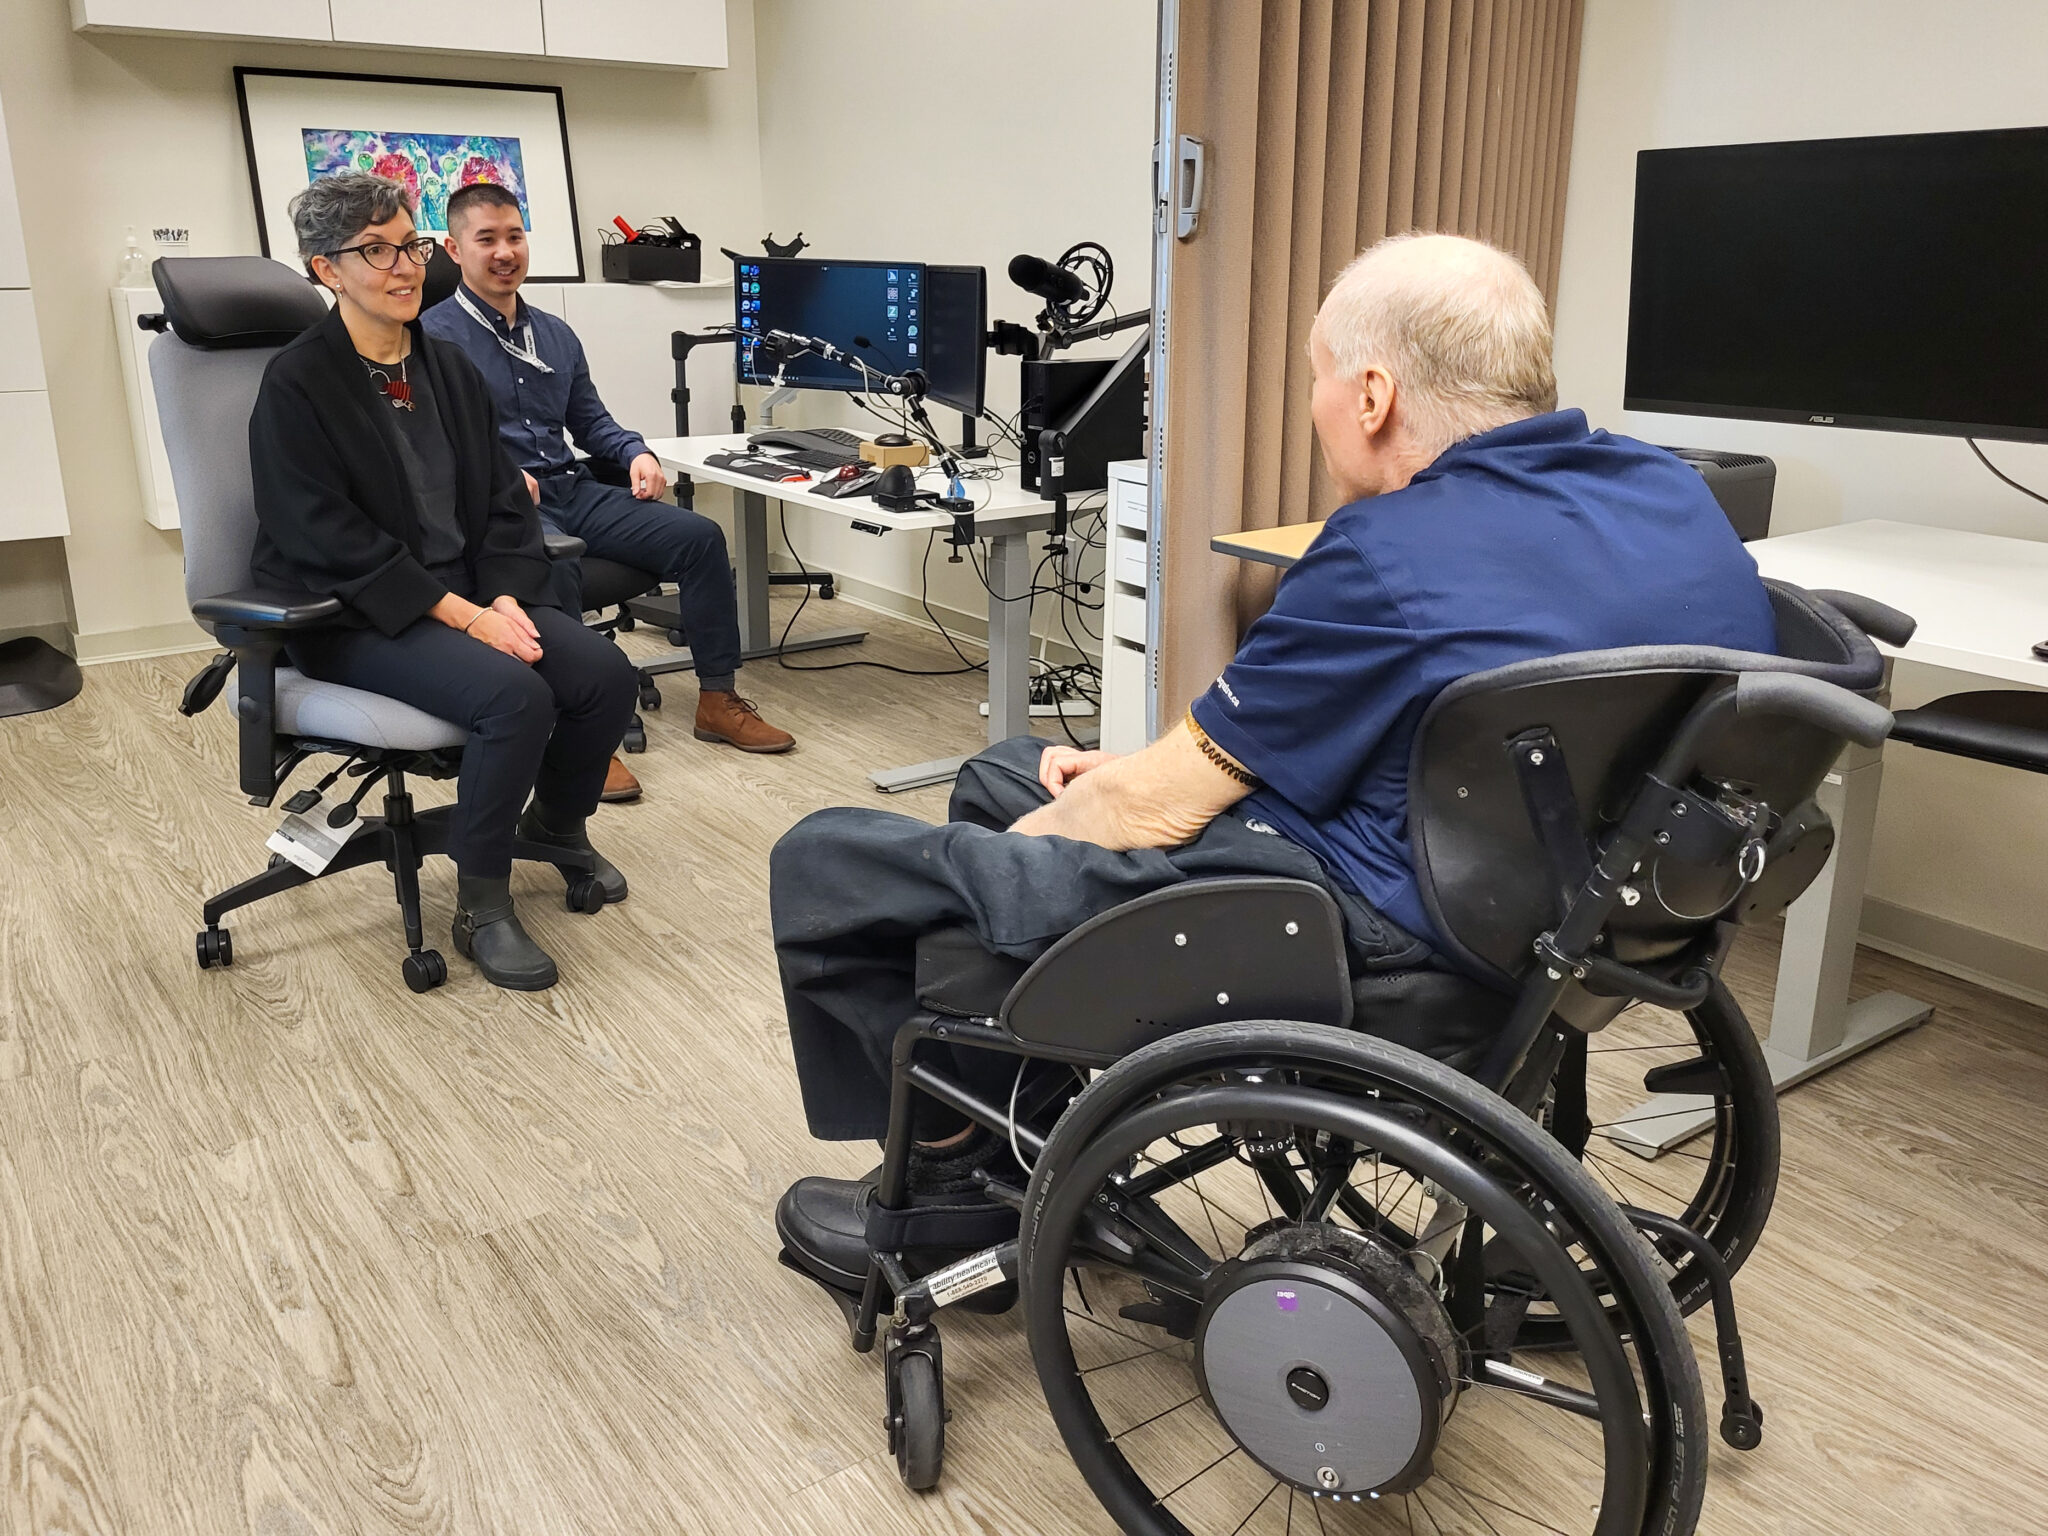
(1247, 1520)
(1134, 1428)
(1176, 1488)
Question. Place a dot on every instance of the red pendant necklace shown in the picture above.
(398, 391)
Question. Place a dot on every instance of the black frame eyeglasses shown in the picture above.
(419, 250)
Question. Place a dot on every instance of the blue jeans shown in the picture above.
(674, 543)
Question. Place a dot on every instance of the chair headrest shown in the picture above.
(219, 302)
(442, 278)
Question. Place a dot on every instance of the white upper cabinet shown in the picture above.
(667, 34)
(676, 33)
(304, 20)
(13, 254)
(466, 26)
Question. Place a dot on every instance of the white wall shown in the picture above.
(1957, 841)
(936, 131)
(111, 131)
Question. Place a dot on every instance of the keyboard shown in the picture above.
(758, 467)
(815, 458)
(810, 440)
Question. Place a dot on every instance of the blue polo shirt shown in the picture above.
(539, 409)
(1534, 539)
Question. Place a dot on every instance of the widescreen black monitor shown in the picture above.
(956, 328)
(873, 309)
(1896, 282)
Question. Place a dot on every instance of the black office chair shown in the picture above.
(226, 317)
(1380, 1236)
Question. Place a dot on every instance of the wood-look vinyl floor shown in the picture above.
(285, 1249)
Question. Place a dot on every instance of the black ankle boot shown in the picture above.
(487, 931)
(539, 826)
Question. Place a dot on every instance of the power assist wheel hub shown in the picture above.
(1329, 1360)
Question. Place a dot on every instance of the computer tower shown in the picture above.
(1741, 482)
(1114, 429)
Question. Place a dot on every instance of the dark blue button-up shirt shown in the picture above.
(537, 412)
(1534, 539)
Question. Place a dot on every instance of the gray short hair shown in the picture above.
(331, 212)
(1459, 324)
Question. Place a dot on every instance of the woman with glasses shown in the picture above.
(379, 480)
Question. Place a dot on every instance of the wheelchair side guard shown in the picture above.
(1203, 952)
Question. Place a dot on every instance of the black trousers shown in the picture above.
(673, 542)
(851, 891)
(549, 728)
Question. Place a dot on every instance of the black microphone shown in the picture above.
(1049, 280)
(792, 343)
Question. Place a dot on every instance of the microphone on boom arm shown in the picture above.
(1048, 280)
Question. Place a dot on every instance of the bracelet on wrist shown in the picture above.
(473, 618)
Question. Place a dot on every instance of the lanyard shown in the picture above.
(523, 349)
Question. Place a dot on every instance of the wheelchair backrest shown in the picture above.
(1203, 952)
(1599, 720)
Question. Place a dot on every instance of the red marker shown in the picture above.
(626, 229)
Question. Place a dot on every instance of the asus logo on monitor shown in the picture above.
(1821, 421)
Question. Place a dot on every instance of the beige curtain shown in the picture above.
(1327, 124)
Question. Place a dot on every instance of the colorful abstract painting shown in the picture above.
(434, 166)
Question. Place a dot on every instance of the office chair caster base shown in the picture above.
(424, 970)
(678, 639)
(585, 894)
(635, 739)
(826, 590)
(650, 696)
(216, 948)
(626, 623)
(917, 1405)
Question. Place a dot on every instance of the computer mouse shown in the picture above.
(892, 440)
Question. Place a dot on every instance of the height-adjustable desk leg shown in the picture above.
(1813, 1023)
(1009, 663)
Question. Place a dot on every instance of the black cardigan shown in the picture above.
(334, 511)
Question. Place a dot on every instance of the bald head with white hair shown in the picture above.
(1423, 341)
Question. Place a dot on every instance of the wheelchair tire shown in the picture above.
(1470, 1142)
(1737, 1173)
(918, 1433)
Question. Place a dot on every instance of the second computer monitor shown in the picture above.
(956, 329)
(872, 309)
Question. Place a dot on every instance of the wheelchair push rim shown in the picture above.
(1282, 1384)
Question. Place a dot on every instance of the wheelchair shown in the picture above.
(1277, 1272)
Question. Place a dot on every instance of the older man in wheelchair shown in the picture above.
(1256, 1062)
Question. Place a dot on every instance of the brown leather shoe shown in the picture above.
(619, 783)
(729, 718)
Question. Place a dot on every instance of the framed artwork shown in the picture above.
(436, 136)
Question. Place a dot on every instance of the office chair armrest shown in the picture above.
(563, 546)
(267, 608)
(1878, 620)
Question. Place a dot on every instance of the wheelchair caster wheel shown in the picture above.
(677, 639)
(635, 739)
(826, 590)
(650, 696)
(585, 894)
(917, 1418)
(216, 947)
(277, 861)
(627, 624)
(1744, 1431)
(424, 971)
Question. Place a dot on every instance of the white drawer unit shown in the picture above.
(31, 489)
(1126, 653)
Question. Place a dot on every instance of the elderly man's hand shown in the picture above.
(1059, 766)
(648, 480)
(532, 486)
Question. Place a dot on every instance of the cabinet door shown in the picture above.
(301, 19)
(472, 26)
(21, 349)
(31, 490)
(13, 254)
(670, 32)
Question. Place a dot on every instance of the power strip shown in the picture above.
(1072, 709)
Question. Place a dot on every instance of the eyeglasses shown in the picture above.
(383, 255)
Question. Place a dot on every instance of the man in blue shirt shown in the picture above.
(1480, 526)
(534, 365)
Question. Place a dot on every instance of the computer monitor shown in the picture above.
(1891, 282)
(956, 328)
(873, 309)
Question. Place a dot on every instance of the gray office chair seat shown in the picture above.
(333, 712)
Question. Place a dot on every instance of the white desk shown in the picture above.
(1004, 513)
(1981, 602)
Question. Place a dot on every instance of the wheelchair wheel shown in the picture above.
(1721, 1183)
(1221, 1361)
